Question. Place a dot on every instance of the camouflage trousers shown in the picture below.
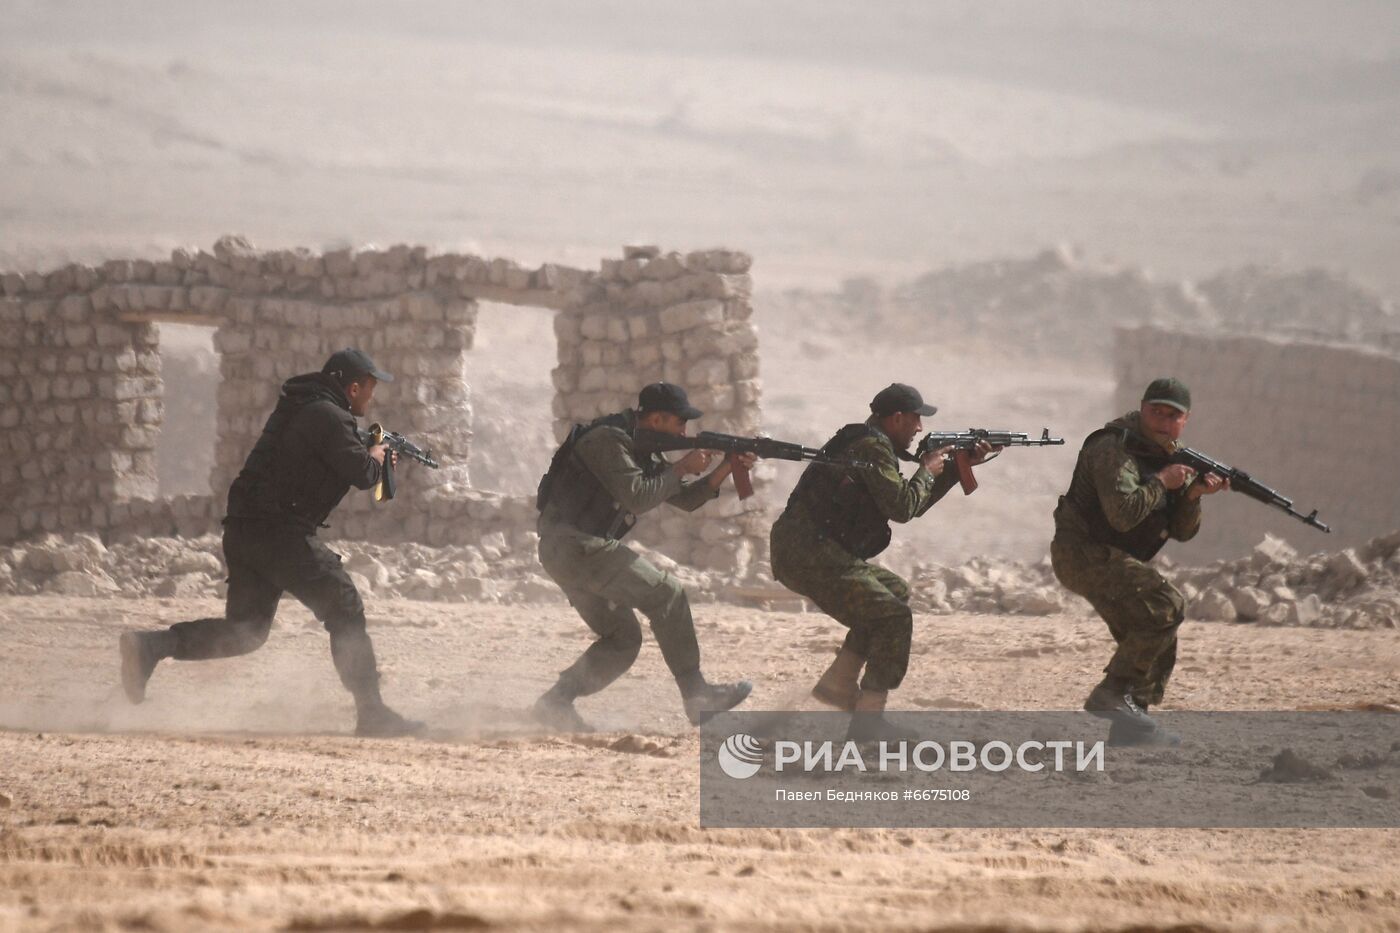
(1142, 609)
(869, 600)
(605, 581)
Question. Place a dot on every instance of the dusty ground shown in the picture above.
(232, 798)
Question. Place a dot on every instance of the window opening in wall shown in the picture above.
(508, 370)
(185, 447)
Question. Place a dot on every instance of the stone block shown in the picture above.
(1250, 602)
(691, 314)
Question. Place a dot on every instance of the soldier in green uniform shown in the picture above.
(835, 521)
(1125, 500)
(596, 486)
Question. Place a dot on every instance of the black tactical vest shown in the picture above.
(1148, 536)
(840, 504)
(577, 497)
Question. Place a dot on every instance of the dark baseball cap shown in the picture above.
(350, 364)
(897, 397)
(1168, 390)
(664, 396)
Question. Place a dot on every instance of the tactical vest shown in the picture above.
(576, 496)
(842, 507)
(1148, 536)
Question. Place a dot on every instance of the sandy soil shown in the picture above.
(232, 798)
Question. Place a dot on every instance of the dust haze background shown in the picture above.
(850, 147)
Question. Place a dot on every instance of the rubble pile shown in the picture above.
(1353, 588)
(494, 571)
(988, 585)
(1356, 588)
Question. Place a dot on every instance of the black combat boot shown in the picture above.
(381, 722)
(353, 654)
(555, 710)
(1113, 700)
(704, 700)
(141, 652)
(1120, 735)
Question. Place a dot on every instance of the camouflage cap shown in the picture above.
(1168, 390)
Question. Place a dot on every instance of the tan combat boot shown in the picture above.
(837, 687)
(868, 722)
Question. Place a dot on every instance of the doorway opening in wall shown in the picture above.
(185, 448)
(508, 369)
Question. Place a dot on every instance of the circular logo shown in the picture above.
(740, 756)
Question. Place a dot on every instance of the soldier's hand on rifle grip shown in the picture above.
(935, 460)
(737, 465)
(378, 452)
(1175, 475)
(694, 462)
(1210, 484)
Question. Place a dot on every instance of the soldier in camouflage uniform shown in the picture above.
(1125, 501)
(835, 520)
(589, 499)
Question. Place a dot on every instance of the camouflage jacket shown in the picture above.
(634, 483)
(1115, 497)
(855, 507)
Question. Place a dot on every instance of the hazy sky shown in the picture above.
(831, 138)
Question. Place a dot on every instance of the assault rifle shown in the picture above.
(963, 443)
(1240, 481)
(400, 445)
(767, 448)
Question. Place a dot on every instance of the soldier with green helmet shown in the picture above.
(836, 520)
(1125, 500)
(596, 487)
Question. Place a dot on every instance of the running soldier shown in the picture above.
(309, 455)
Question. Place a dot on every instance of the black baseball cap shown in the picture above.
(664, 396)
(897, 397)
(1168, 390)
(350, 364)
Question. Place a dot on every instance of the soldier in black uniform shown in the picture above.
(309, 455)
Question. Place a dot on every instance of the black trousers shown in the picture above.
(264, 561)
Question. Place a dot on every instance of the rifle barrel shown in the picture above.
(1240, 481)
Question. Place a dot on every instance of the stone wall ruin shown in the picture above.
(81, 394)
(1313, 420)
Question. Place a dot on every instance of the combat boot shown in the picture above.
(555, 710)
(704, 700)
(837, 687)
(353, 655)
(1120, 735)
(141, 652)
(868, 722)
(377, 720)
(1113, 700)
